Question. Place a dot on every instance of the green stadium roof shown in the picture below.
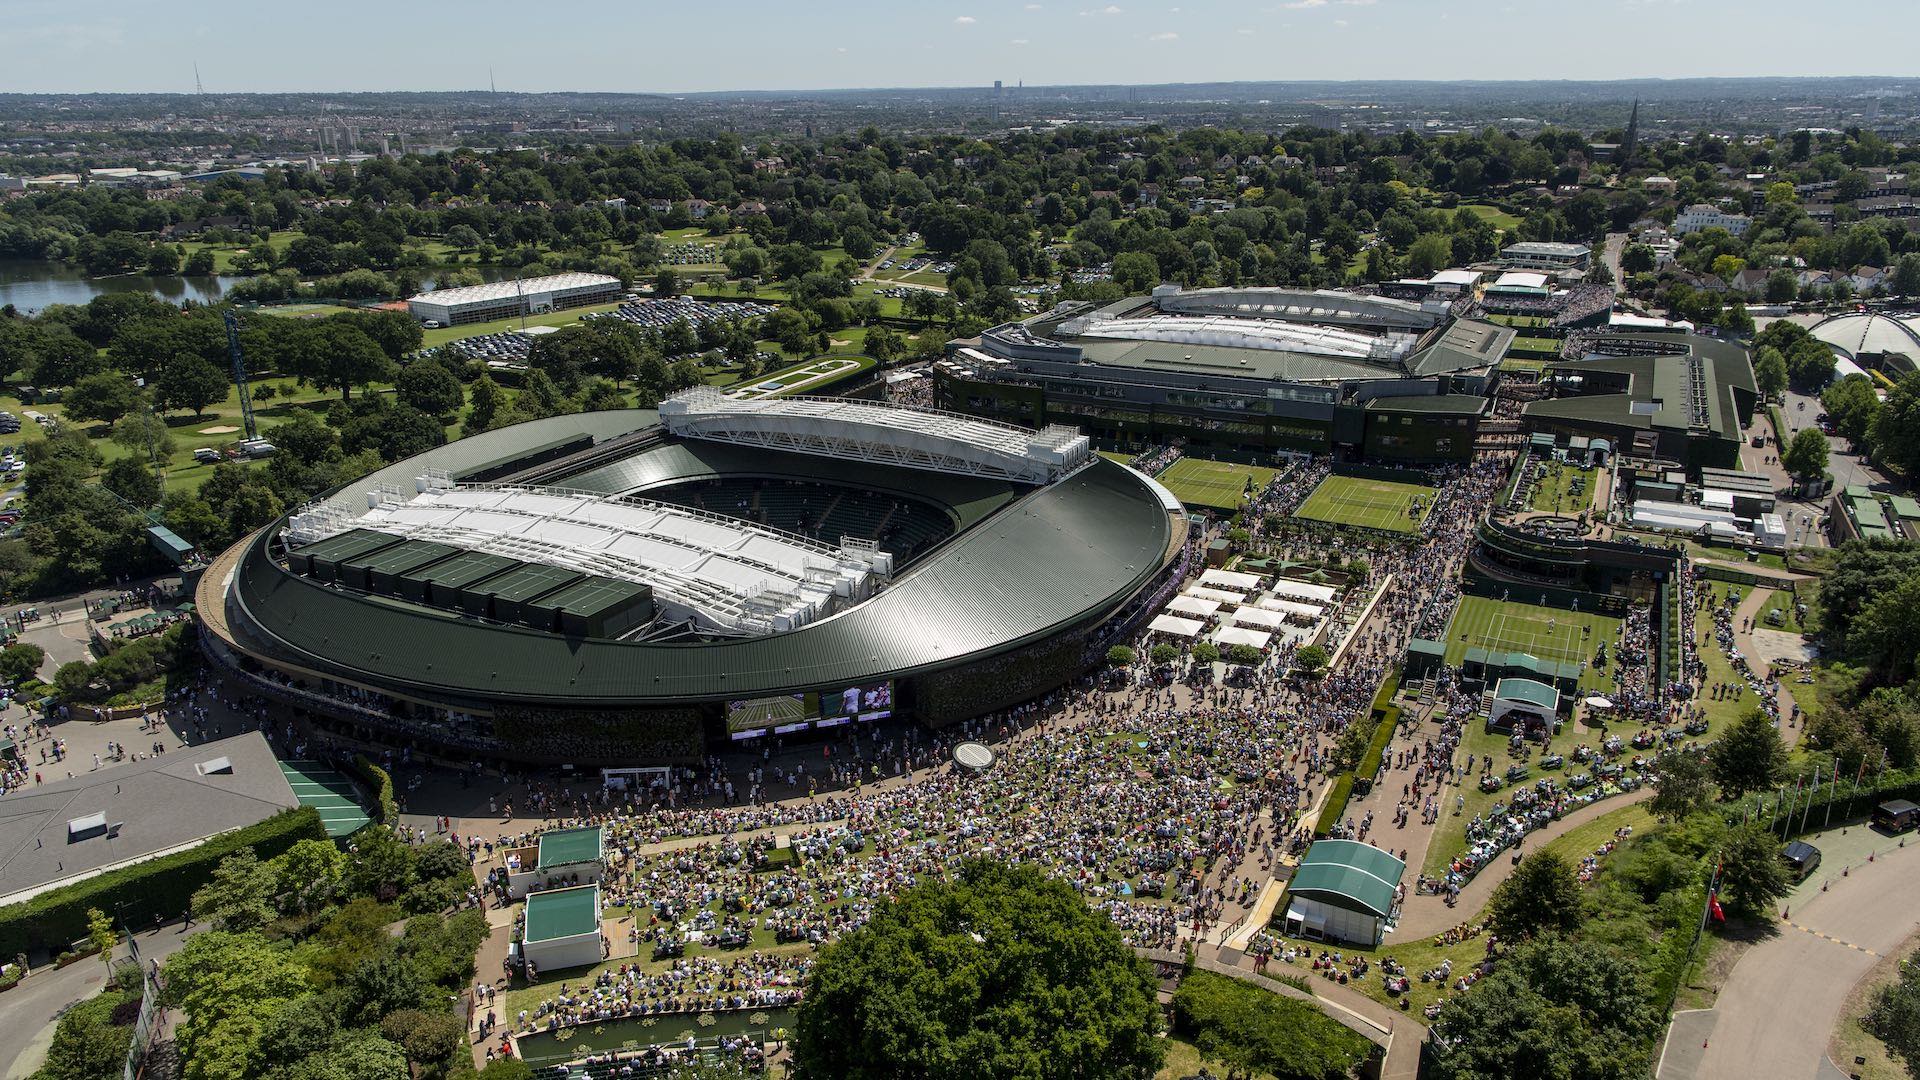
(1529, 691)
(1448, 404)
(594, 595)
(403, 557)
(464, 569)
(1058, 559)
(530, 581)
(1427, 648)
(351, 544)
(1905, 507)
(1348, 874)
(563, 913)
(566, 847)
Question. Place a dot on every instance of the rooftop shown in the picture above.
(1349, 874)
(563, 913)
(500, 290)
(566, 847)
(1533, 693)
(142, 809)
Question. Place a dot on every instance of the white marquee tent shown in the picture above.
(1175, 626)
(1228, 579)
(1221, 595)
(1303, 590)
(1240, 635)
(1253, 616)
(1193, 605)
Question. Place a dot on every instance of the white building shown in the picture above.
(504, 299)
(1702, 216)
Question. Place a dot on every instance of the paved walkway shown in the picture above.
(1773, 1019)
(29, 1012)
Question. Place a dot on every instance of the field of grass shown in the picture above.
(1537, 344)
(1566, 637)
(1499, 218)
(1513, 363)
(1368, 504)
(1555, 491)
(1523, 322)
(444, 334)
(305, 311)
(1216, 485)
(223, 254)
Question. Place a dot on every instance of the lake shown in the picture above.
(31, 286)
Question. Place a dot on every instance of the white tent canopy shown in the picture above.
(1303, 590)
(1193, 605)
(1175, 626)
(1228, 579)
(1293, 607)
(1221, 595)
(1240, 635)
(1253, 616)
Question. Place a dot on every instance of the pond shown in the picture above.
(31, 286)
(641, 1032)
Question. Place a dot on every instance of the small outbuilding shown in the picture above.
(563, 928)
(1345, 891)
(1524, 707)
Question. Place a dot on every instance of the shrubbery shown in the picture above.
(1258, 1031)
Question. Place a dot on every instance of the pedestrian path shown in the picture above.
(326, 790)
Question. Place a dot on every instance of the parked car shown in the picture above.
(207, 455)
(1801, 859)
(1897, 816)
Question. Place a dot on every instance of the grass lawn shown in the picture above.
(568, 317)
(1511, 363)
(1568, 637)
(1555, 491)
(223, 253)
(1218, 485)
(306, 311)
(1524, 322)
(1537, 344)
(1368, 504)
(1497, 217)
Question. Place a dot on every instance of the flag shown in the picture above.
(1713, 906)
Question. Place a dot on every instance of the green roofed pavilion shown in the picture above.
(569, 847)
(1349, 874)
(1529, 691)
(563, 913)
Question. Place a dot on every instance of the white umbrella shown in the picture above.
(1598, 702)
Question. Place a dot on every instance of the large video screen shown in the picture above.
(749, 717)
(862, 703)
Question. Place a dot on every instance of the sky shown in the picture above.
(654, 46)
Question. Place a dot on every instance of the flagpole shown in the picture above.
(1828, 822)
(1808, 809)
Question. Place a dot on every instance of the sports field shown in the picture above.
(1217, 485)
(1566, 637)
(1368, 504)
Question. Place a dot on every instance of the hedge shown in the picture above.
(145, 892)
(1336, 805)
(1386, 718)
(1848, 806)
(381, 782)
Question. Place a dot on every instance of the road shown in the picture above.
(28, 1012)
(1610, 254)
(1781, 1001)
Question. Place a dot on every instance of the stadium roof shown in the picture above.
(874, 432)
(1451, 404)
(1348, 874)
(563, 913)
(729, 575)
(1546, 247)
(565, 847)
(1529, 691)
(159, 804)
(1062, 557)
(1685, 384)
(501, 290)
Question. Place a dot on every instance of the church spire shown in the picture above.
(1632, 138)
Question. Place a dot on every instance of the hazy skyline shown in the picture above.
(121, 46)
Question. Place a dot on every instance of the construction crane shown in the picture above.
(240, 375)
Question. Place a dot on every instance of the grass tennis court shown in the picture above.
(1567, 637)
(1216, 485)
(752, 714)
(1368, 504)
(320, 787)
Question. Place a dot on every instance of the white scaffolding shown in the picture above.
(880, 434)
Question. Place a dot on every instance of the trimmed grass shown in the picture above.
(442, 335)
(1218, 485)
(1537, 344)
(1368, 504)
(1499, 218)
(1568, 637)
(1555, 491)
(223, 254)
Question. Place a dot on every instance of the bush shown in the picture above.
(87, 1044)
(387, 811)
(1335, 806)
(148, 891)
(1260, 1031)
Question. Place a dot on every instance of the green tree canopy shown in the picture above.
(1749, 755)
(1541, 894)
(1806, 456)
(1001, 972)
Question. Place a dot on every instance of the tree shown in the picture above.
(1206, 652)
(1243, 655)
(1749, 755)
(1135, 272)
(1886, 632)
(1551, 1009)
(188, 382)
(101, 935)
(1542, 894)
(1895, 429)
(21, 661)
(483, 404)
(427, 385)
(1852, 406)
(143, 433)
(1163, 654)
(228, 985)
(1806, 455)
(106, 396)
(132, 480)
(1001, 972)
(1752, 874)
(87, 1044)
(1682, 786)
(1431, 252)
(1894, 1017)
(241, 894)
(1310, 660)
(1120, 656)
(1636, 259)
(309, 873)
(1906, 275)
(1256, 1031)
(1770, 371)
(463, 238)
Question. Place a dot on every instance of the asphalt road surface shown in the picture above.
(1780, 1004)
